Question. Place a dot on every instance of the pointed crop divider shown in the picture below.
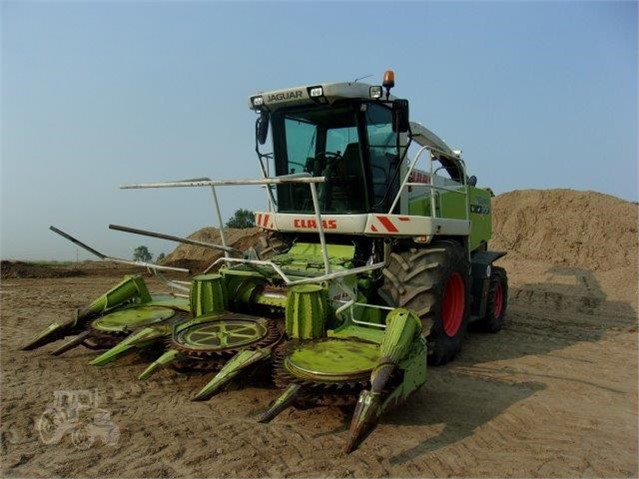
(403, 326)
(281, 403)
(231, 369)
(127, 345)
(53, 332)
(72, 343)
(163, 360)
(364, 420)
(129, 288)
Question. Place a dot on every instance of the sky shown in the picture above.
(95, 95)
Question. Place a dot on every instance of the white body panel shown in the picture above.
(372, 224)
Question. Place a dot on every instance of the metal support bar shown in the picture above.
(349, 304)
(278, 180)
(290, 282)
(467, 193)
(304, 178)
(433, 205)
(443, 188)
(143, 264)
(269, 193)
(430, 185)
(353, 302)
(365, 305)
(177, 239)
(408, 173)
(104, 257)
(179, 285)
(320, 228)
(77, 242)
(207, 182)
(219, 220)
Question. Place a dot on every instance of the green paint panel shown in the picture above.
(266, 299)
(133, 318)
(481, 229)
(452, 205)
(208, 294)
(351, 331)
(403, 327)
(332, 358)
(306, 312)
(307, 258)
(314, 249)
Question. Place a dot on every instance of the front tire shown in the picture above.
(434, 283)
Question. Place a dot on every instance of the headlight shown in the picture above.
(257, 100)
(316, 92)
(375, 92)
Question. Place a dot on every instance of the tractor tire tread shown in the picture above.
(489, 323)
(419, 287)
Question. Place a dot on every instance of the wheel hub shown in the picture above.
(222, 334)
(454, 304)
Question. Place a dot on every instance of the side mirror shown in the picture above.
(261, 127)
(472, 181)
(400, 116)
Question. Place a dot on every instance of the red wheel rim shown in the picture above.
(498, 301)
(454, 304)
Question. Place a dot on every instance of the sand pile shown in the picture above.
(197, 258)
(567, 227)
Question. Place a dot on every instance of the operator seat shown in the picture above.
(345, 192)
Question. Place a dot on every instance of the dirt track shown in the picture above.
(554, 394)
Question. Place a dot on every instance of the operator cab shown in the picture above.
(345, 132)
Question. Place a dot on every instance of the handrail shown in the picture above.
(279, 180)
(289, 281)
(405, 180)
(432, 187)
(303, 178)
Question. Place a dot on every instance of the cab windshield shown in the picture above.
(352, 145)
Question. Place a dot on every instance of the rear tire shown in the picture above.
(434, 283)
(497, 302)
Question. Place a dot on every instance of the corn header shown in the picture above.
(374, 268)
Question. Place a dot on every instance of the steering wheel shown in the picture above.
(330, 159)
(322, 163)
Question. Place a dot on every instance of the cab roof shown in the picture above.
(331, 92)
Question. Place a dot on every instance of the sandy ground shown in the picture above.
(553, 394)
